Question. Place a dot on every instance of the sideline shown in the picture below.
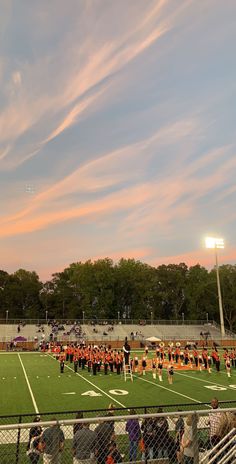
(93, 385)
(29, 387)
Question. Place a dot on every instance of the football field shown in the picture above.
(32, 383)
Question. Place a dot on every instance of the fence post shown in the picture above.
(195, 438)
(18, 441)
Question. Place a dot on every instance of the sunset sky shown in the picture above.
(117, 131)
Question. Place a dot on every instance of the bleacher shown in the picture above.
(111, 332)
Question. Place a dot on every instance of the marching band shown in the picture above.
(104, 359)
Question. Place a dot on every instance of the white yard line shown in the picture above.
(93, 385)
(165, 388)
(29, 387)
(206, 381)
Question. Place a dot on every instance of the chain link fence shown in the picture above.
(203, 436)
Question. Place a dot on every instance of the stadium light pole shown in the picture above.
(83, 317)
(216, 243)
(46, 314)
(7, 316)
(151, 317)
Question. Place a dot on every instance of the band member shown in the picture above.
(160, 366)
(217, 360)
(170, 352)
(76, 361)
(136, 364)
(111, 361)
(106, 364)
(62, 362)
(94, 364)
(186, 356)
(191, 359)
(195, 355)
(126, 350)
(204, 357)
(157, 351)
(144, 365)
(71, 353)
(228, 366)
(177, 352)
(181, 355)
(83, 359)
(233, 357)
(89, 363)
(154, 368)
(162, 351)
(99, 361)
(200, 362)
(67, 351)
(209, 361)
(170, 373)
(118, 363)
(146, 350)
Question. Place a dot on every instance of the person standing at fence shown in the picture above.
(214, 421)
(33, 447)
(161, 438)
(148, 430)
(134, 432)
(179, 431)
(104, 435)
(53, 441)
(84, 445)
(187, 443)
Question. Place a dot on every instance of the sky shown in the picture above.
(117, 132)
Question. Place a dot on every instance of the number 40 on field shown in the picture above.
(112, 392)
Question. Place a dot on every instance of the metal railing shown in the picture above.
(198, 437)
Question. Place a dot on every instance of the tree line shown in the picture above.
(128, 289)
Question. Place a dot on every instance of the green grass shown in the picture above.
(40, 374)
(50, 388)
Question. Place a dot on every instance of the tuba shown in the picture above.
(171, 344)
(177, 344)
(162, 344)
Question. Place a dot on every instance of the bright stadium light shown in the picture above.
(216, 243)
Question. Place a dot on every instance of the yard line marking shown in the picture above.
(165, 388)
(93, 385)
(29, 387)
(206, 381)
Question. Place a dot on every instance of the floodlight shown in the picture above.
(215, 243)
(212, 242)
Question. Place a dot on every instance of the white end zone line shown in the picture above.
(205, 381)
(165, 388)
(93, 385)
(29, 387)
